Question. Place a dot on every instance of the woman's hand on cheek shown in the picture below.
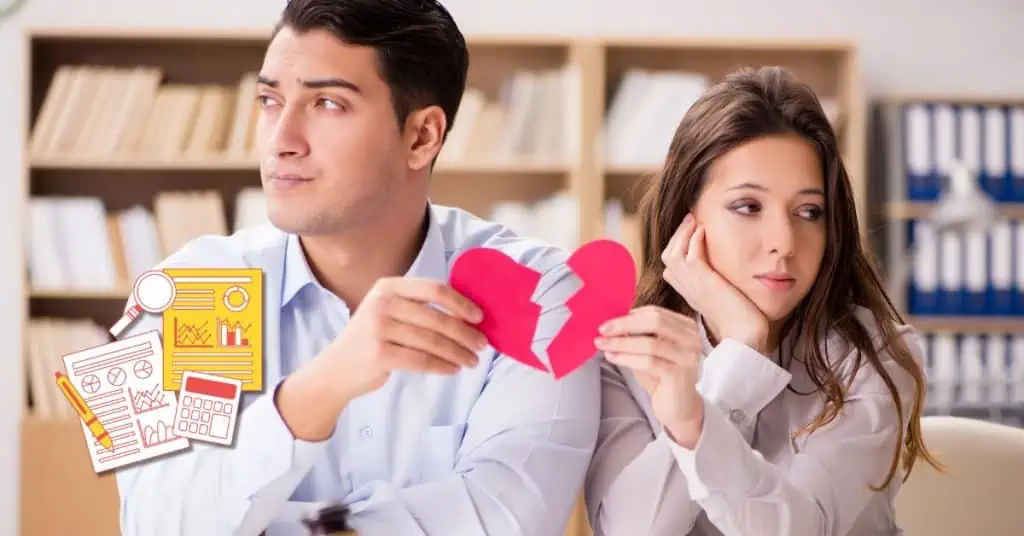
(663, 350)
(726, 308)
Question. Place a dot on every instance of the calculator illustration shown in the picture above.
(207, 407)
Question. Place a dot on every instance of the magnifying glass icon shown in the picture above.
(153, 292)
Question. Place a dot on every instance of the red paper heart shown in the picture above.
(502, 288)
(608, 273)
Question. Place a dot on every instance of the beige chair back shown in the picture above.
(980, 492)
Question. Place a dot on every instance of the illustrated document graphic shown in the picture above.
(215, 326)
(120, 382)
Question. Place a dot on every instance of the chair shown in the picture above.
(980, 492)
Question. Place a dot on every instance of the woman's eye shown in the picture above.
(747, 208)
(812, 213)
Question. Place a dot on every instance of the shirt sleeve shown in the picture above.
(208, 489)
(519, 470)
(633, 485)
(828, 481)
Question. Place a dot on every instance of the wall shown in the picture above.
(906, 46)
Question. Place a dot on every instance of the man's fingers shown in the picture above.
(425, 316)
(438, 293)
(410, 359)
(430, 341)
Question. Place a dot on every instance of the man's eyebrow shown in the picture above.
(318, 83)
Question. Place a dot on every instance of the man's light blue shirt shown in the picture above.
(500, 449)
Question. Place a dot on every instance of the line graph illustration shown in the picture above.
(189, 335)
(148, 400)
(155, 435)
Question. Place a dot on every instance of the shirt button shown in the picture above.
(366, 431)
(737, 416)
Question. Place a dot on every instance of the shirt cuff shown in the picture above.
(720, 462)
(268, 446)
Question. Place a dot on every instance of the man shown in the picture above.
(366, 374)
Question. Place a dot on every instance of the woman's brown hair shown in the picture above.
(747, 105)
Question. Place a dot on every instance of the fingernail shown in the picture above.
(478, 315)
(481, 344)
(688, 218)
(603, 329)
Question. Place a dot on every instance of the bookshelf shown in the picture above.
(529, 148)
(962, 291)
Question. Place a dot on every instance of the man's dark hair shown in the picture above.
(422, 54)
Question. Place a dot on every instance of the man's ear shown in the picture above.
(424, 133)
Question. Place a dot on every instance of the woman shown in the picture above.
(764, 384)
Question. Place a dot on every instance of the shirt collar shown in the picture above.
(431, 262)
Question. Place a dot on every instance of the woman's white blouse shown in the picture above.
(746, 476)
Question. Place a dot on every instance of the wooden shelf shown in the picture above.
(967, 324)
(630, 171)
(525, 167)
(81, 294)
(920, 210)
(144, 164)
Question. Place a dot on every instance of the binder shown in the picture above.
(1001, 300)
(951, 276)
(944, 118)
(924, 281)
(995, 170)
(1015, 143)
(945, 370)
(1018, 258)
(969, 129)
(997, 367)
(920, 169)
(972, 370)
(975, 272)
(1017, 370)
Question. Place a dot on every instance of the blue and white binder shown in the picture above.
(922, 183)
(975, 273)
(1018, 275)
(951, 273)
(924, 281)
(944, 121)
(995, 168)
(1001, 299)
(997, 367)
(969, 127)
(1016, 148)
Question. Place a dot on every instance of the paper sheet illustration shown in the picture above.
(215, 325)
(120, 382)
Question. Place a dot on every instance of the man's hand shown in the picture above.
(395, 328)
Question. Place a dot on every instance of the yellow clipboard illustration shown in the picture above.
(215, 325)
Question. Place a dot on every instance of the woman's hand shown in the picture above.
(727, 310)
(663, 350)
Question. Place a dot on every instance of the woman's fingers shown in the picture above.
(644, 364)
(676, 249)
